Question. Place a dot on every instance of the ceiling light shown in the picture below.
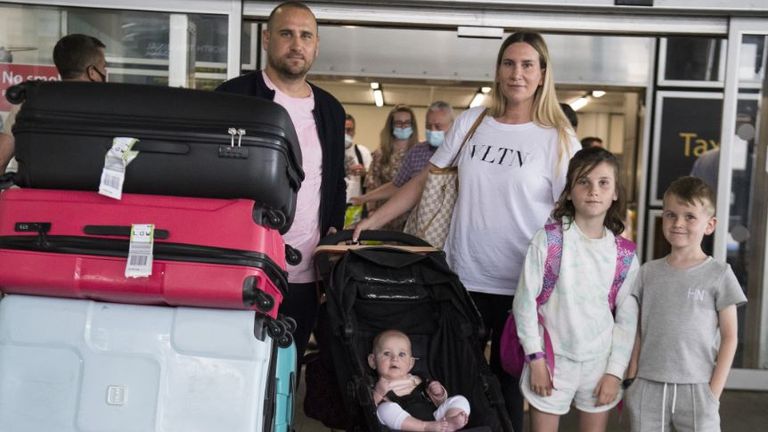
(485, 90)
(598, 93)
(349, 81)
(374, 85)
(480, 32)
(579, 103)
(477, 100)
(378, 97)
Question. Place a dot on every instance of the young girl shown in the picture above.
(405, 401)
(590, 344)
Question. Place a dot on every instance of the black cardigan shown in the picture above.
(329, 118)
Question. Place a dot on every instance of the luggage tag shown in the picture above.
(140, 251)
(117, 158)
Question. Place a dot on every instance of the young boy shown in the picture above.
(687, 303)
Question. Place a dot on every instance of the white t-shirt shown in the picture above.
(577, 315)
(7, 126)
(507, 190)
(354, 182)
(304, 234)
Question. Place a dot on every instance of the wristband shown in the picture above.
(535, 356)
(626, 383)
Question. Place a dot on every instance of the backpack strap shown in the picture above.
(551, 272)
(552, 263)
(625, 251)
(359, 156)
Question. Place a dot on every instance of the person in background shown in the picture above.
(571, 114)
(511, 172)
(439, 120)
(399, 134)
(588, 142)
(357, 159)
(291, 42)
(77, 57)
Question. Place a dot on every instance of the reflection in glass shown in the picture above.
(693, 59)
(743, 247)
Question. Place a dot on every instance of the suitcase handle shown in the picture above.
(7, 180)
(150, 146)
(18, 93)
(119, 231)
(376, 235)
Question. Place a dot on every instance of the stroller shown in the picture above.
(409, 288)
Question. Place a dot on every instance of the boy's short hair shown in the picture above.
(693, 190)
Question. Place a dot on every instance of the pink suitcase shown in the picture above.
(207, 252)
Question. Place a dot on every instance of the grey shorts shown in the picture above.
(655, 406)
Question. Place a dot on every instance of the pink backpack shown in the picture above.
(511, 351)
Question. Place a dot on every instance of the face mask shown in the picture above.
(347, 141)
(402, 133)
(102, 75)
(435, 138)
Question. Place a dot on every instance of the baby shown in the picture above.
(405, 402)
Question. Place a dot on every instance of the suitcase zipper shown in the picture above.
(162, 251)
(42, 123)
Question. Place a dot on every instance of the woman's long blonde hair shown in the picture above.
(386, 133)
(546, 108)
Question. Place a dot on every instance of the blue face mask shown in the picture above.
(402, 133)
(435, 138)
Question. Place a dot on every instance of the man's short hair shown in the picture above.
(288, 5)
(349, 117)
(692, 190)
(441, 106)
(74, 53)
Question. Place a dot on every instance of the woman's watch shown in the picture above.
(534, 356)
(627, 382)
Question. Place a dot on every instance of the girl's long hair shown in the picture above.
(582, 163)
(546, 108)
(386, 133)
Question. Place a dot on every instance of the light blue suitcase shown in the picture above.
(71, 365)
(285, 386)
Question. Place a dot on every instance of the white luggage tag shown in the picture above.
(117, 158)
(140, 251)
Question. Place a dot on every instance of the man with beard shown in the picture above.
(291, 42)
(77, 57)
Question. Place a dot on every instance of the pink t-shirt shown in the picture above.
(304, 234)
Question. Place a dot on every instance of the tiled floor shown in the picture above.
(740, 412)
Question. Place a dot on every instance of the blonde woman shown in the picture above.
(398, 135)
(511, 173)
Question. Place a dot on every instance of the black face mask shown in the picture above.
(101, 75)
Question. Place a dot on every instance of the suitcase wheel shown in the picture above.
(292, 256)
(264, 302)
(275, 219)
(276, 329)
(285, 340)
(16, 94)
(290, 323)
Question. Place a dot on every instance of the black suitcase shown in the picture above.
(191, 143)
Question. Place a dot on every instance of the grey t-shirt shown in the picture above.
(679, 318)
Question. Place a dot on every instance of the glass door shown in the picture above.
(742, 188)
